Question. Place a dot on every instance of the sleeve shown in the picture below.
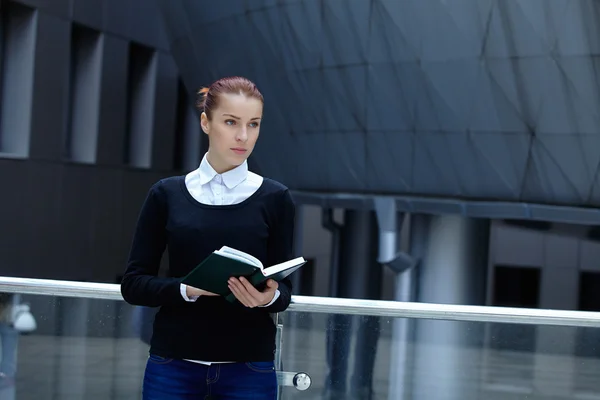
(281, 247)
(275, 297)
(140, 285)
(183, 291)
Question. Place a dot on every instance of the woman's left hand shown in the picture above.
(248, 295)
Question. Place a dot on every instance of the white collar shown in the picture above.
(231, 178)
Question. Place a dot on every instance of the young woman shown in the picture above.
(203, 346)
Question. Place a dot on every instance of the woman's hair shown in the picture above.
(208, 97)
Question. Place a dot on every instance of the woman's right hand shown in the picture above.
(192, 291)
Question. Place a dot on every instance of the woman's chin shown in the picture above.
(238, 160)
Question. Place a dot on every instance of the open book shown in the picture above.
(213, 273)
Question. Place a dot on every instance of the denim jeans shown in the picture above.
(172, 379)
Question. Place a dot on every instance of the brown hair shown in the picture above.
(208, 96)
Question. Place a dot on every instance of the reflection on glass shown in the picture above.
(8, 345)
(80, 349)
(97, 349)
(425, 359)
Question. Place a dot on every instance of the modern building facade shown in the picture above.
(93, 111)
(445, 151)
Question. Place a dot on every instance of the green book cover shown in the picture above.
(213, 273)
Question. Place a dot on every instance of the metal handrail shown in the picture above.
(329, 305)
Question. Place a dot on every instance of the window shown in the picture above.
(17, 57)
(188, 139)
(140, 106)
(86, 63)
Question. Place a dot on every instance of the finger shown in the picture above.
(269, 290)
(236, 288)
(242, 294)
(238, 295)
(256, 297)
(261, 298)
(273, 284)
(238, 284)
(251, 289)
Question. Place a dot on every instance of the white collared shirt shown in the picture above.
(231, 187)
(209, 187)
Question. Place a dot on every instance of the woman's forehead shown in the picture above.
(239, 105)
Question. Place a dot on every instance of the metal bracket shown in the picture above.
(299, 380)
(389, 223)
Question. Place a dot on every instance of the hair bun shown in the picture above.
(202, 96)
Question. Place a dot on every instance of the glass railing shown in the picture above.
(89, 344)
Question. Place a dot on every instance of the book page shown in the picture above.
(283, 266)
(239, 255)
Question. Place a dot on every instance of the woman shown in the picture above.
(202, 346)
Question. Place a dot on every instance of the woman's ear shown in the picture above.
(204, 122)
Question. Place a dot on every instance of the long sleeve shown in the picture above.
(281, 247)
(140, 284)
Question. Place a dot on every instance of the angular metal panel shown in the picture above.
(478, 100)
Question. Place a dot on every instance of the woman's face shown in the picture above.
(232, 130)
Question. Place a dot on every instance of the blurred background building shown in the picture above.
(440, 151)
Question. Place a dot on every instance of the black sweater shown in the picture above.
(210, 329)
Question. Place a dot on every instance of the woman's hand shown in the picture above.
(248, 295)
(192, 291)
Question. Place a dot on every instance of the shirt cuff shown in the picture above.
(275, 297)
(183, 291)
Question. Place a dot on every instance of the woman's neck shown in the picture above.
(219, 166)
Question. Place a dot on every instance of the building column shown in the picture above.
(403, 328)
(453, 252)
(359, 277)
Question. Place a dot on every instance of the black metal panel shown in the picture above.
(107, 259)
(480, 100)
(61, 219)
(136, 20)
(89, 12)
(68, 221)
(13, 174)
(59, 8)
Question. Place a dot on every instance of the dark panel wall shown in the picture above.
(71, 190)
(478, 100)
(135, 20)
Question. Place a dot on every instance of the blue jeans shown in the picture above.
(171, 379)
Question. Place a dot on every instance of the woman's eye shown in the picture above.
(230, 122)
(254, 124)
